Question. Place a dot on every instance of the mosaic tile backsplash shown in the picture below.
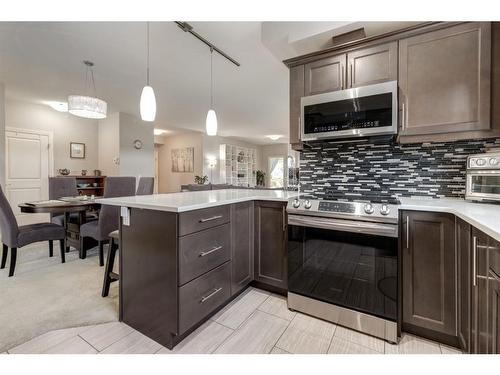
(382, 170)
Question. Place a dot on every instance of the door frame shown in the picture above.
(48, 133)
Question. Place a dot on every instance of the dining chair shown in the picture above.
(62, 187)
(109, 216)
(15, 237)
(146, 186)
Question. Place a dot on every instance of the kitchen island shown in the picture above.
(184, 256)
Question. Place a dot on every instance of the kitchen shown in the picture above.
(357, 245)
(376, 229)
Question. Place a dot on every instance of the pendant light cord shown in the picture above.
(211, 78)
(147, 71)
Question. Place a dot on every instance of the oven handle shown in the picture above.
(388, 230)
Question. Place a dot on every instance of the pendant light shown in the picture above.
(211, 121)
(84, 105)
(148, 100)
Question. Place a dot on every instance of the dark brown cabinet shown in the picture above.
(479, 308)
(444, 80)
(296, 93)
(242, 246)
(270, 251)
(494, 312)
(464, 282)
(428, 267)
(325, 75)
(372, 65)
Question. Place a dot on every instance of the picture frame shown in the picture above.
(77, 150)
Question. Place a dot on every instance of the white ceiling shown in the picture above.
(42, 61)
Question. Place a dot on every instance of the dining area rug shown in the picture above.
(45, 295)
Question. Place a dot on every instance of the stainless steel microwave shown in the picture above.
(357, 112)
(483, 177)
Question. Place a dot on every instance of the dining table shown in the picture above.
(66, 208)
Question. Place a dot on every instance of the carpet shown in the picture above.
(45, 295)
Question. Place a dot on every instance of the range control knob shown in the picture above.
(494, 161)
(307, 204)
(368, 208)
(296, 203)
(480, 162)
(384, 209)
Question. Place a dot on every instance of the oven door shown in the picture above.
(343, 266)
(483, 185)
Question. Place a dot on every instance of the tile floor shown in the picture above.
(255, 322)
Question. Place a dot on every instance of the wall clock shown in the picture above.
(138, 144)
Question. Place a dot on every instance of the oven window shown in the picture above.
(485, 184)
(356, 271)
(373, 111)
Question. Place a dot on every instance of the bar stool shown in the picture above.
(109, 275)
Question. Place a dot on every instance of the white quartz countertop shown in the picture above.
(194, 200)
(483, 216)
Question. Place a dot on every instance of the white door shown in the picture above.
(27, 172)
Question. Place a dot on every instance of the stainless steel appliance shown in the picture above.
(343, 264)
(357, 112)
(483, 177)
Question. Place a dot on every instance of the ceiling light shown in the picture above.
(211, 121)
(274, 137)
(148, 100)
(58, 106)
(85, 105)
(159, 131)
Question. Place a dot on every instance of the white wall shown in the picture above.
(170, 182)
(211, 147)
(65, 127)
(109, 145)
(2, 134)
(136, 162)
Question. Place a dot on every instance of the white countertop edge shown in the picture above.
(457, 207)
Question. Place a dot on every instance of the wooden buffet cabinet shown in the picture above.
(448, 76)
(451, 283)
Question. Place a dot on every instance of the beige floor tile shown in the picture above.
(74, 345)
(307, 335)
(359, 338)
(202, 341)
(134, 343)
(234, 314)
(341, 346)
(276, 305)
(103, 335)
(257, 335)
(445, 349)
(277, 350)
(413, 345)
(44, 342)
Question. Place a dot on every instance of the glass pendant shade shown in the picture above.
(148, 104)
(87, 107)
(211, 123)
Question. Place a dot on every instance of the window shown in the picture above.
(276, 172)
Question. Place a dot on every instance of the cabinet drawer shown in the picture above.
(194, 221)
(203, 295)
(202, 251)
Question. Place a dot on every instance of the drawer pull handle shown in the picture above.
(205, 253)
(204, 299)
(210, 218)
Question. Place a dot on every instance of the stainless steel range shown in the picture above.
(343, 264)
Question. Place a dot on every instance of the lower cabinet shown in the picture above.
(464, 283)
(241, 246)
(494, 312)
(428, 266)
(270, 238)
(479, 306)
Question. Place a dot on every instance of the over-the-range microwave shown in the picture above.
(357, 112)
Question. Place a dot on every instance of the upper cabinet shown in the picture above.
(325, 75)
(372, 65)
(444, 78)
(296, 93)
